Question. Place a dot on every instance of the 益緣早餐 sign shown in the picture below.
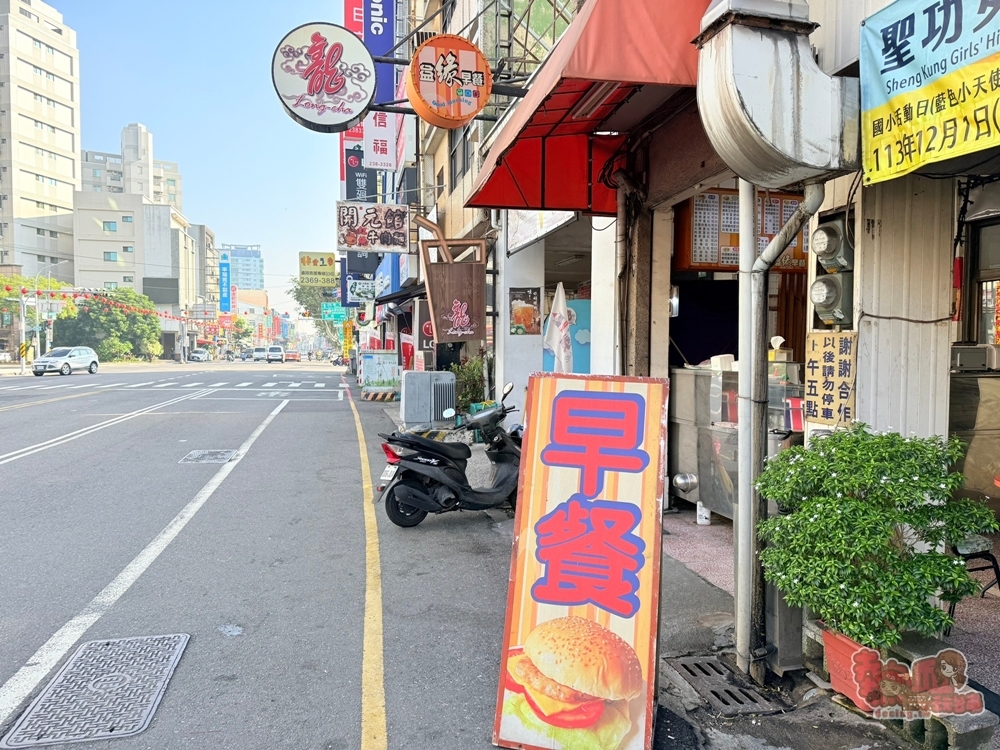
(578, 668)
(930, 84)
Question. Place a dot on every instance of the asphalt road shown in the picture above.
(265, 568)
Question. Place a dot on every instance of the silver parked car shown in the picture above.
(65, 359)
(198, 355)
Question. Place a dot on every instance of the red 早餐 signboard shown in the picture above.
(578, 667)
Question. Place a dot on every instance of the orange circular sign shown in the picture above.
(449, 81)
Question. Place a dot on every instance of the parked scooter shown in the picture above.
(428, 476)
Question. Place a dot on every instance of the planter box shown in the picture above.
(840, 651)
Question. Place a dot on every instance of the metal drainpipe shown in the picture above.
(750, 628)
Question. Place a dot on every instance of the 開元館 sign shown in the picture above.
(831, 360)
(318, 270)
(578, 667)
(930, 84)
(324, 77)
(373, 227)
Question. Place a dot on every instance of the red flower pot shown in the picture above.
(855, 670)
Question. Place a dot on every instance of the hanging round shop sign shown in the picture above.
(324, 77)
(449, 81)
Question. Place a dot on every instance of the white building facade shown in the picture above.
(134, 170)
(39, 137)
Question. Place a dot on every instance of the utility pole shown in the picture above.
(23, 350)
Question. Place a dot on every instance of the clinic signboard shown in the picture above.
(930, 84)
(579, 660)
(324, 77)
(225, 284)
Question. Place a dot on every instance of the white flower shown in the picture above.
(857, 604)
(843, 586)
(839, 495)
(943, 487)
(916, 479)
(833, 473)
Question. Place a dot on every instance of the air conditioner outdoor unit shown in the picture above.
(424, 397)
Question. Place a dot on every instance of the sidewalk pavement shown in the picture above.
(696, 618)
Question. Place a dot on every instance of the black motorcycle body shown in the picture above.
(430, 475)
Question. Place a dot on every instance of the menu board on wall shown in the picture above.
(707, 231)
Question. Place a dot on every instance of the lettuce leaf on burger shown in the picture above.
(571, 682)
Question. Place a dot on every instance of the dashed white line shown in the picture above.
(110, 385)
(166, 385)
(243, 385)
(217, 385)
(190, 385)
(319, 385)
(294, 385)
(268, 385)
(140, 385)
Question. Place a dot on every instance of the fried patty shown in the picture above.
(529, 673)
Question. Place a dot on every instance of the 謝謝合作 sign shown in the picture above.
(373, 227)
(324, 76)
(831, 360)
(578, 667)
(332, 311)
(448, 81)
(525, 311)
(930, 84)
(318, 270)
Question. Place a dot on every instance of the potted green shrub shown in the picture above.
(868, 521)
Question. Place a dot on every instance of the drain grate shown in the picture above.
(719, 686)
(107, 689)
(208, 457)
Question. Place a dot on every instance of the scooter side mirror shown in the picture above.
(506, 391)
(448, 414)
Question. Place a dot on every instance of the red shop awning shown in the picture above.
(547, 156)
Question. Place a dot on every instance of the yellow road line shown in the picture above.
(46, 401)
(374, 735)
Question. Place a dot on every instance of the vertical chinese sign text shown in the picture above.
(579, 661)
(831, 360)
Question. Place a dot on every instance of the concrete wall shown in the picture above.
(604, 351)
(518, 356)
(90, 241)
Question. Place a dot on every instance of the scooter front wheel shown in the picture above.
(400, 513)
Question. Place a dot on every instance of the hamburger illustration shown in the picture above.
(571, 684)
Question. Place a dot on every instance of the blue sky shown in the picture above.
(197, 74)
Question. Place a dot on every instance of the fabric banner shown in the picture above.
(930, 84)
(579, 661)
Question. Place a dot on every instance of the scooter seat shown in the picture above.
(454, 451)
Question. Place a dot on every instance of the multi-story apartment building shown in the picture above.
(247, 266)
(39, 137)
(208, 263)
(128, 241)
(134, 170)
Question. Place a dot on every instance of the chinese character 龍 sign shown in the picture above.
(930, 84)
(373, 227)
(579, 659)
(831, 360)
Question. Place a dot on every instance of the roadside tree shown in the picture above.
(119, 325)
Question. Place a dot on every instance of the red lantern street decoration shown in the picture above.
(4, 310)
(38, 292)
(86, 296)
(86, 309)
(8, 288)
(52, 295)
(105, 309)
(75, 295)
(24, 290)
(64, 296)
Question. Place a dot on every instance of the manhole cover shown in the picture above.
(208, 457)
(107, 689)
(719, 686)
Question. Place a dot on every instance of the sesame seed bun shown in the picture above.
(586, 657)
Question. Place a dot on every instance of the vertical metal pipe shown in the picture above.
(621, 278)
(743, 531)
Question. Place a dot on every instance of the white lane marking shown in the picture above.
(85, 385)
(268, 385)
(28, 677)
(294, 385)
(244, 385)
(140, 385)
(216, 385)
(343, 385)
(190, 385)
(110, 385)
(14, 455)
(319, 385)
(50, 387)
(166, 385)
(340, 394)
(26, 387)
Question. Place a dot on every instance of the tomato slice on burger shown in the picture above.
(582, 716)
